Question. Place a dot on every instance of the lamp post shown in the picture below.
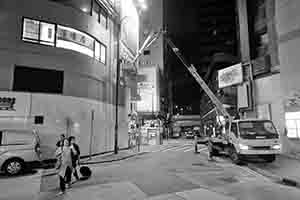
(152, 101)
(116, 146)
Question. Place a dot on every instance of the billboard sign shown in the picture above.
(230, 76)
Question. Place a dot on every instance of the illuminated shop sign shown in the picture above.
(74, 36)
(230, 76)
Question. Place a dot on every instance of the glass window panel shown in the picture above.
(291, 124)
(103, 54)
(31, 29)
(292, 133)
(298, 123)
(47, 33)
(97, 50)
(96, 10)
(103, 19)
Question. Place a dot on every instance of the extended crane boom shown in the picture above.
(191, 68)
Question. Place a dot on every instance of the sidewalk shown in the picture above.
(293, 148)
(284, 170)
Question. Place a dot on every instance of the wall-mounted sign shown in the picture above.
(72, 35)
(148, 89)
(230, 76)
(7, 103)
(14, 104)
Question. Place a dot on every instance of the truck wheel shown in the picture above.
(234, 156)
(269, 158)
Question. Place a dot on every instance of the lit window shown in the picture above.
(31, 30)
(103, 54)
(39, 32)
(72, 39)
(97, 50)
(47, 33)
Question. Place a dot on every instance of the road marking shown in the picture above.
(200, 150)
(183, 148)
(189, 150)
(169, 149)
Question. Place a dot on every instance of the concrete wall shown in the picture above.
(68, 115)
(288, 27)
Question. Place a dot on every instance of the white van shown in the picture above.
(18, 149)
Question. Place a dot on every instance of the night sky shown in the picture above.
(200, 28)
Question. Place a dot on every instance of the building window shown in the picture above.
(103, 18)
(63, 37)
(27, 79)
(97, 50)
(147, 52)
(293, 124)
(100, 52)
(103, 54)
(100, 14)
(38, 32)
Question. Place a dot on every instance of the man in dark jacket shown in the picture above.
(75, 152)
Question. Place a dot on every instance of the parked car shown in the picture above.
(18, 149)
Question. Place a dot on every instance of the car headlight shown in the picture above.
(243, 147)
(276, 147)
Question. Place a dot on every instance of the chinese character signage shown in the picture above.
(14, 104)
(72, 35)
(7, 103)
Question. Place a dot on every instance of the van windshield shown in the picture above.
(257, 130)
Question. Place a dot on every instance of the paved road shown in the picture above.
(171, 172)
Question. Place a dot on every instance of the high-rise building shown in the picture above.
(151, 62)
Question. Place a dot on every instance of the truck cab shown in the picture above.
(248, 138)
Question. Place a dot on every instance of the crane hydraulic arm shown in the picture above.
(190, 67)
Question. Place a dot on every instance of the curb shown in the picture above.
(276, 178)
(113, 160)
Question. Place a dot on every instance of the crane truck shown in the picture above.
(240, 139)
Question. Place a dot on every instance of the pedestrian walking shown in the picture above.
(75, 153)
(64, 166)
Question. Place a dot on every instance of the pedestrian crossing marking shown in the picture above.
(189, 150)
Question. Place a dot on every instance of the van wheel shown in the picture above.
(234, 156)
(14, 166)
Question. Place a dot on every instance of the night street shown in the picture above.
(149, 100)
(173, 171)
